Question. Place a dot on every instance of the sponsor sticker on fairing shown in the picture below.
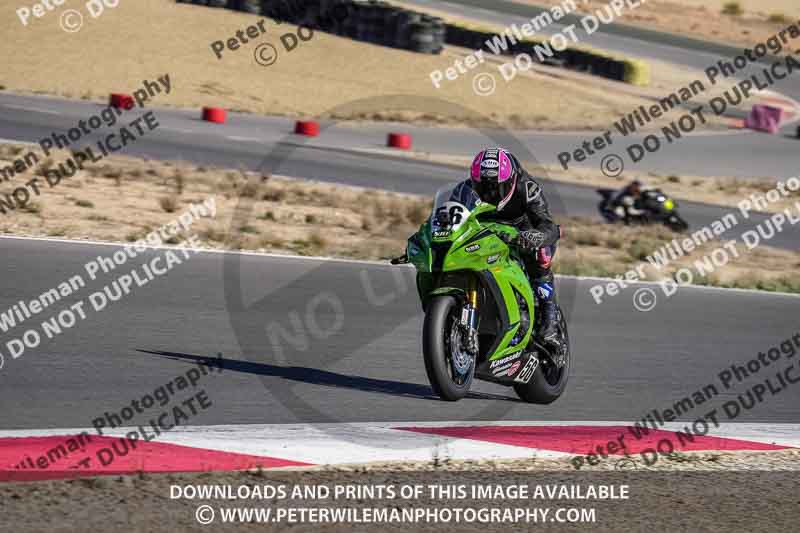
(501, 370)
(507, 359)
(527, 373)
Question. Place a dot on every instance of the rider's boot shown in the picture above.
(547, 305)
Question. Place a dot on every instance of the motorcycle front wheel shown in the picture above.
(677, 224)
(450, 370)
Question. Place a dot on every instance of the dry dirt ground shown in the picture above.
(123, 199)
(300, 217)
(753, 497)
(703, 19)
(149, 38)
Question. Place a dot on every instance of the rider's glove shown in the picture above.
(530, 240)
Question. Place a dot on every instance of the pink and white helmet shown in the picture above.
(494, 175)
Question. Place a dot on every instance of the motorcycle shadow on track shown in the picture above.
(316, 376)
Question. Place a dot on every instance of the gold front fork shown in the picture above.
(469, 317)
(472, 293)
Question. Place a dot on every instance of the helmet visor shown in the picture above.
(493, 191)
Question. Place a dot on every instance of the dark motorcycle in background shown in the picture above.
(652, 207)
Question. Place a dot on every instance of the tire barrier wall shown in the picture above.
(370, 21)
(377, 22)
(579, 58)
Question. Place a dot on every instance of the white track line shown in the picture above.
(31, 109)
(14, 141)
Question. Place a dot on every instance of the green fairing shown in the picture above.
(505, 269)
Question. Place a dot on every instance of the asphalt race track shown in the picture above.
(367, 366)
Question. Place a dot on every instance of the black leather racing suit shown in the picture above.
(628, 199)
(527, 210)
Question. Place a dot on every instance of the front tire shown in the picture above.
(677, 224)
(441, 317)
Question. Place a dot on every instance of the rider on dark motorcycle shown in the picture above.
(628, 199)
(499, 179)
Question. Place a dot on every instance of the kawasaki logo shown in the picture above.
(506, 359)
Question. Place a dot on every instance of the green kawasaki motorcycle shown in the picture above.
(479, 306)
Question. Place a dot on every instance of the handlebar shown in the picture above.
(505, 237)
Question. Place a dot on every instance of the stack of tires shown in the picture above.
(372, 21)
(473, 37)
(426, 36)
(579, 58)
(377, 22)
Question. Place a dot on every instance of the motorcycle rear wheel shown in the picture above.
(548, 382)
(441, 317)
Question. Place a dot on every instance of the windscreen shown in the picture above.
(452, 206)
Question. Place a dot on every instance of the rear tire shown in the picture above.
(546, 388)
(436, 332)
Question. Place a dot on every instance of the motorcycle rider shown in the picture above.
(499, 179)
(628, 199)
